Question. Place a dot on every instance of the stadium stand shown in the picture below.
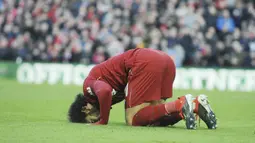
(215, 33)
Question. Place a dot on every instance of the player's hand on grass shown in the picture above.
(100, 122)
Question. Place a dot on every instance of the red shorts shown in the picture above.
(150, 78)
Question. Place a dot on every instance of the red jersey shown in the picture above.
(115, 70)
(145, 71)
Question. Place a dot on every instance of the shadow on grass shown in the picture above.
(120, 125)
(176, 127)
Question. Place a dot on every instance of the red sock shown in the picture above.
(167, 120)
(149, 115)
(174, 106)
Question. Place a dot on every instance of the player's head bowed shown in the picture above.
(81, 111)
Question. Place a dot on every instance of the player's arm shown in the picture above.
(103, 91)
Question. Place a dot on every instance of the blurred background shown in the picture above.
(48, 47)
(204, 33)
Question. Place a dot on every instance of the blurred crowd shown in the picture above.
(212, 33)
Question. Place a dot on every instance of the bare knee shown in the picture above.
(129, 116)
(131, 112)
(129, 121)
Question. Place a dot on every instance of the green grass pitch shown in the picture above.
(37, 114)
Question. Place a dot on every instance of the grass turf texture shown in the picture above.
(37, 113)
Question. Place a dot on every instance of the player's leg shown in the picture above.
(132, 111)
(149, 114)
(167, 91)
(142, 93)
(159, 119)
(167, 120)
(203, 109)
(144, 89)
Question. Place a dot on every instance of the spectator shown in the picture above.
(114, 46)
(210, 16)
(85, 31)
(225, 23)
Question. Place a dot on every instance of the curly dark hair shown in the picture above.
(75, 113)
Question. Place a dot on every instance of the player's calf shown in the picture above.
(152, 114)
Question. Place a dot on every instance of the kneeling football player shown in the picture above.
(147, 78)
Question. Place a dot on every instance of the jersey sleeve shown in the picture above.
(103, 91)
